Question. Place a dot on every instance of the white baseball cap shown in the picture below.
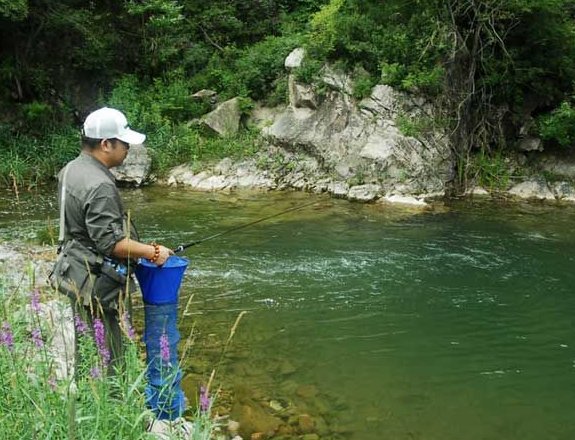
(109, 123)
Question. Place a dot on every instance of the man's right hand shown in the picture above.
(164, 255)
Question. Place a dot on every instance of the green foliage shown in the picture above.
(309, 70)
(363, 83)
(279, 95)
(14, 9)
(558, 127)
(37, 401)
(491, 170)
(414, 127)
(26, 159)
(162, 31)
(324, 25)
(251, 72)
(391, 41)
(148, 57)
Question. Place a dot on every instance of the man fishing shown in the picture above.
(97, 241)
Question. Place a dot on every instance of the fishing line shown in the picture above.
(182, 248)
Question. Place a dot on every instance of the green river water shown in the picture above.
(454, 324)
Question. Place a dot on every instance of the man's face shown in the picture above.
(118, 152)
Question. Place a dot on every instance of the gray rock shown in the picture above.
(263, 117)
(295, 58)
(225, 119)
(564, 191)
(213, 183)
(340, 81)
(403, 200)
(302, 95)
(364, 193)
(338, 189)
(225, 166)
(348, 139)
(135, 168)
(530, 143)
(476, 191)
(562, 166)
(205, 95)
(532, 189)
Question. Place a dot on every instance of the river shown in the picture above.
(453, 324)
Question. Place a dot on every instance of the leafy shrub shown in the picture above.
(558, 127)
(491, 170)
(363, 83)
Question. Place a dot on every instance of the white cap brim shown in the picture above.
(132, 137)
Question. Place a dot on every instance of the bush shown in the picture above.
(491, 170)
(558, 127)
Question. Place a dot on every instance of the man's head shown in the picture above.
(106, 136)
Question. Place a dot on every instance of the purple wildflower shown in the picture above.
(100, 342)
(35, 301)
(81, 326)
(37, 338)
(95, 373)
(105, 355)
(99, 332)
(6, 338)
(165, 348)
(52, 383)
(205, 400)
(128, 325)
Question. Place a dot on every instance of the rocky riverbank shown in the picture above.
(365, 150)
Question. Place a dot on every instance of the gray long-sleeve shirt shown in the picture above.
(94, 213)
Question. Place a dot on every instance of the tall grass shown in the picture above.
(38, 402)
(28, 160)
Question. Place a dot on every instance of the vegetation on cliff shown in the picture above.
(496, 69)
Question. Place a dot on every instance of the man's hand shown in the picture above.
(164, 255)
(128, 248)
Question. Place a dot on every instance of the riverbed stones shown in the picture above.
(305, 424)
(308, 392)
(253, 418)
(286, 368)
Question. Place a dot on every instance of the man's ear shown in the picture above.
(105, 145)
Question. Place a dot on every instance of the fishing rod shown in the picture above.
(182, 248)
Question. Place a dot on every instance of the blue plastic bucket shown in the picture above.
(160, 285)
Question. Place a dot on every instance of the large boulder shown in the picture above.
(136, 166)
(362, 139)
(295, 58)
(532, 189)
(560, 165)
(225, 119)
